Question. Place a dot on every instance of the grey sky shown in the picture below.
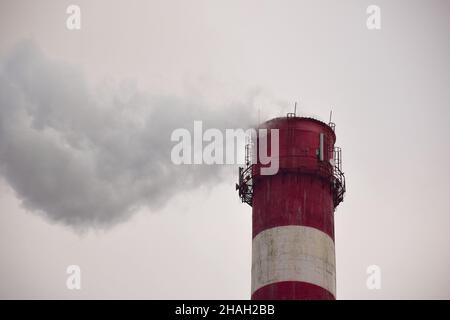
(219, 62)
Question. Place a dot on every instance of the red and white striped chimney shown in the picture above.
(293, 253)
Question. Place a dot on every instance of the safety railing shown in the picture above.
(333, 170)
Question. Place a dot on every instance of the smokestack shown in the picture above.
(293, 252)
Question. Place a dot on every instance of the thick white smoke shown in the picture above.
(89, 158)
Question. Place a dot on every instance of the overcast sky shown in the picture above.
(86, 117)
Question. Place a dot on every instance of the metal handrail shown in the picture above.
(246, 179)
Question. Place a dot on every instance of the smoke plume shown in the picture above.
(87, 157)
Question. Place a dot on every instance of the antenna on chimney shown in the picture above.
(330, 123)
(293, 114)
